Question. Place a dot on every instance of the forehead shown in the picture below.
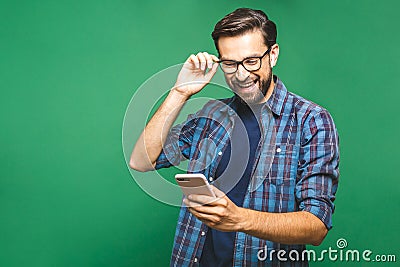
(238, 47)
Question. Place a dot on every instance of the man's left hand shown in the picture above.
(219, 213)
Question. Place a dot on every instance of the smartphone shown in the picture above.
(194, 183)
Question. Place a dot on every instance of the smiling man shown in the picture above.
(274, 163)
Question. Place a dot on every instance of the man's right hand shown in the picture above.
(195, 74)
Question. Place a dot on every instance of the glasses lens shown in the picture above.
(228, 66)
(252, 64)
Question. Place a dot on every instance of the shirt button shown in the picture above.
(211, 179)
(220, 153)
(278, 149)
(203, 233)
(195, 259)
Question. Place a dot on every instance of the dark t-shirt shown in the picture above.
(218, 247)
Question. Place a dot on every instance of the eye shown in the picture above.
(251, 61)
(229, 63)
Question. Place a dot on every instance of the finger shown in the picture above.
(194, 60)
(202, 199)
(202, 60)
(212, 72)
(208, 60)
(217, 211)
(217, 192)
(191, 204)
(214, 58)
(206, 218)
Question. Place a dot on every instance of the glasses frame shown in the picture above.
(241, 62)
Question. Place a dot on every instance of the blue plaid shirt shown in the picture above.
(296, 170)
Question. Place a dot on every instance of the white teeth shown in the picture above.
(247, 84)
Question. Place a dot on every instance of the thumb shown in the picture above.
(218, 193)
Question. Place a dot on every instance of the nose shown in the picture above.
(241, 74)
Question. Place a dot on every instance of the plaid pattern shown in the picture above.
(297, 170)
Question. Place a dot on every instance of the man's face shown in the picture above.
(251, 87)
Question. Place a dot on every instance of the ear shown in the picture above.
(274, 54)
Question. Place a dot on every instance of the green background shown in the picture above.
(68, 70)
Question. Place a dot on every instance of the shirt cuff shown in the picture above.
(320, 209)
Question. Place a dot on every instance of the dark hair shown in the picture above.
(243, 20)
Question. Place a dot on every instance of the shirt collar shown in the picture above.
(277, 99)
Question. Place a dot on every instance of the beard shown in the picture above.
(255, 88)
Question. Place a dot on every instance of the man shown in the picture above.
(279, 196)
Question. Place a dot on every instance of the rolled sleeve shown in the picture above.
(177, 144)
(318, 171)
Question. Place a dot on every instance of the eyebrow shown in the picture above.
(251, 55)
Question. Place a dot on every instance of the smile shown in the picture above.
(248, 85)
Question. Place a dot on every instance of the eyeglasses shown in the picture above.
(250, 63)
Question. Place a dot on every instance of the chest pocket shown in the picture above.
(284, 165)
